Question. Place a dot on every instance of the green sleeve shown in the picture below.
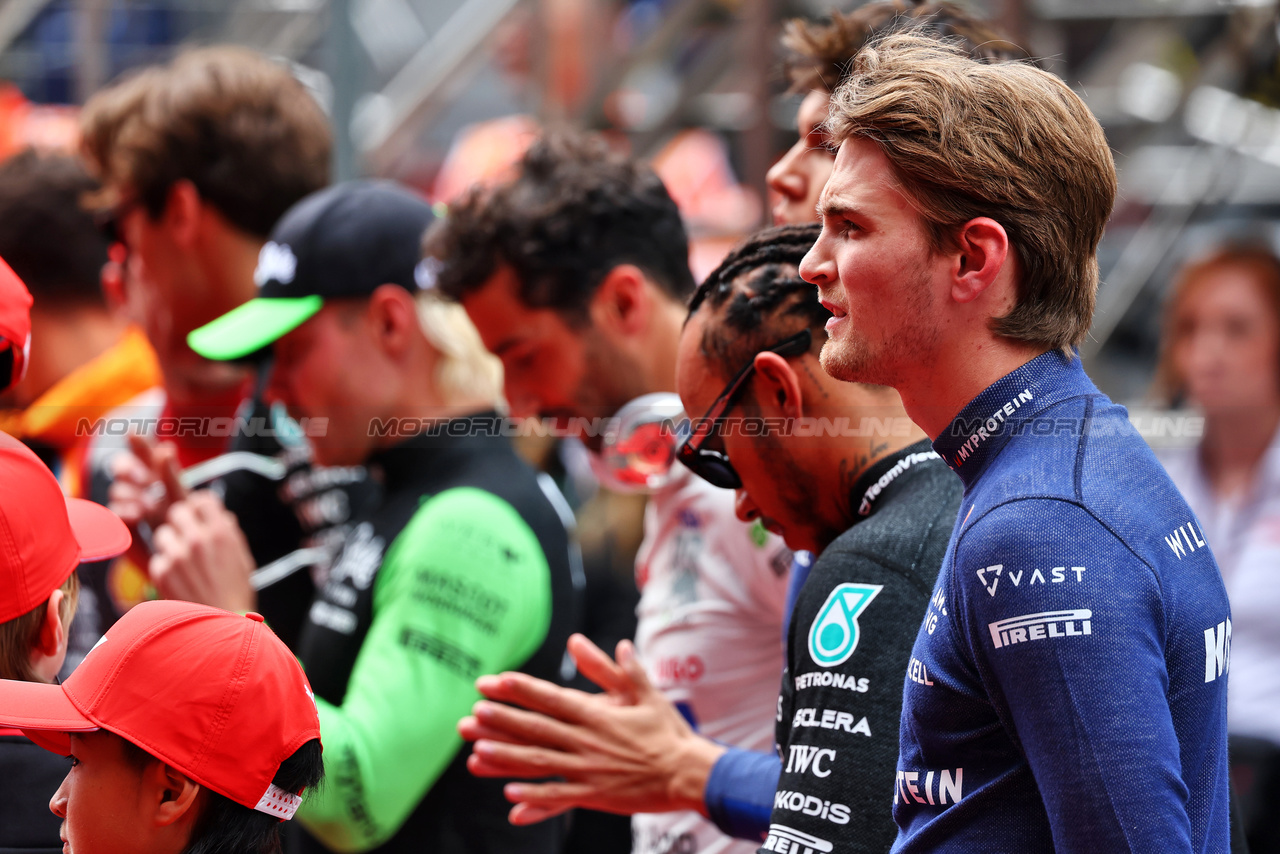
(464, 590)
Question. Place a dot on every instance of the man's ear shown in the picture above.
(52, 637)
(177, 795)
(982, 248)
(394, 315)
(623, 304)
(182, 212)
(777, 386)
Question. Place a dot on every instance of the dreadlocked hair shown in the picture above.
(759, 298)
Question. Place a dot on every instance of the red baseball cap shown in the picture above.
(215, 695)
(43, 534)
(15, 322)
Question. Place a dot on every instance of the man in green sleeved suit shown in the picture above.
(464, 568)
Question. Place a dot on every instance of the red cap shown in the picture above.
(216, 695)
(43, 534)
(15, 320)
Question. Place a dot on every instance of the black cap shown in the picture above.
(343, 241)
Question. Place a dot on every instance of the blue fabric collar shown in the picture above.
(1005, 409)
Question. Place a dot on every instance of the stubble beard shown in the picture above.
(852, 357)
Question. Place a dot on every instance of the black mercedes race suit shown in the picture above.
(465, 568)
(849, 642)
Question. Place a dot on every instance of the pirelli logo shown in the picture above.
(1042, 626)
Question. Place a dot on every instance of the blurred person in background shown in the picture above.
(46, 537)
(817, 56)
(875, 503)
(197, 160)
(86, 358)
(1220, 355)
(575, 274)
(463, 568)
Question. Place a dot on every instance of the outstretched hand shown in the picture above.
(624, 751)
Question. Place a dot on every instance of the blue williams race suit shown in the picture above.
(1067, 688)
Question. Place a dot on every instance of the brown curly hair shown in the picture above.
(818, 54)
(232, 122)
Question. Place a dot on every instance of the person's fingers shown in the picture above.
(525, 814)
(165, 460)
(169, 542)
(500, 759)
(596, 665)
(126, 503)
(527, 727)
(160, 568)
(163, 572)
(472, 730)
(142, 449)
(566, 704)
(206, 507)
(181, 516)
(631, 665)
(554, 794)
(127, 469)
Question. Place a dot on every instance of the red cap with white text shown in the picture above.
(44, 535)
(215, 695)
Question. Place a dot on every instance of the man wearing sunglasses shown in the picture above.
(835, 468)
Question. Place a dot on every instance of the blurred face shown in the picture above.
(551, 369)
(875, 270)
(330, 367)
(1226, 343)
(102, 801)
(799, 176)
(168, 300)
(773, 482)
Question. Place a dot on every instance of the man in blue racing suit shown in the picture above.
(1067, 687)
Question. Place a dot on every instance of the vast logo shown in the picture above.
(990, 576)
(834, 634)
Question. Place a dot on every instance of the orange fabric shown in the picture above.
(90, 391)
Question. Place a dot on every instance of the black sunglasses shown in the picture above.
(711, 465)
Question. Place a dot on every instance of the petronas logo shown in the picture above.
(834, 634)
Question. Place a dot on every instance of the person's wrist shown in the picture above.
(692, 765)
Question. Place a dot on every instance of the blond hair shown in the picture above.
(1002, 140)
(467, 372)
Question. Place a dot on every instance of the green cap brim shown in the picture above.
(252, 326)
